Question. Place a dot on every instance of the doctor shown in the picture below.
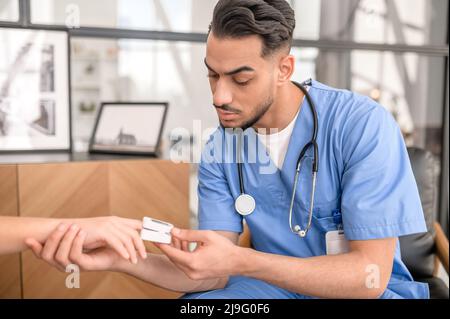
(365, 192)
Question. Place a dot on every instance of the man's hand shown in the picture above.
(215, 255)
(119, 234)
(65, 246)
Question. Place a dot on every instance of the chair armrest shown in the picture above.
(441, 242)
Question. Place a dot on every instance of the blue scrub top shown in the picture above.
(364, 171)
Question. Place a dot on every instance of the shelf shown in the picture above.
(64, 157)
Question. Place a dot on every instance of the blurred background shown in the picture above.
(395, 51)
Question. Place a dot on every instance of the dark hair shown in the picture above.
(272, 20)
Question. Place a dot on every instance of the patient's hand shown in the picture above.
(65, 246)
(107, 238)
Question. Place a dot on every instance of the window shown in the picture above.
(413, 22)
(157, 15)
(9, 10)
(406, 85)
(139, 71)
(305, 63)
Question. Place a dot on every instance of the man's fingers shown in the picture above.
(62, 255)
(165, 249)
(176, 255)
(192, 235)
(76, 252)
(35, 246)
(52, 243)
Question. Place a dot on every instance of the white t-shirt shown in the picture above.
(277, 143)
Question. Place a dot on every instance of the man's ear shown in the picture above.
(286, 69)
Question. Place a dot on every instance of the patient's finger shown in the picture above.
(35, 246)
(117, 245)
(133, 223)
(62, 254)
(127, 242)
(138, 242)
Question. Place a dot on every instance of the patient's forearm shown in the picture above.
(160, 271)
(14, 231)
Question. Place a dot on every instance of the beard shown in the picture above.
(259, 112)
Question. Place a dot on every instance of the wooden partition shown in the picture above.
(128, 188)
(10, 285)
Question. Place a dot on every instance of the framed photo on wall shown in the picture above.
(34, 90)
(129, 128)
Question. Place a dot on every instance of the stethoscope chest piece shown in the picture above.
(245, 204)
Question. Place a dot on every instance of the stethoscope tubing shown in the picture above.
(315, 168)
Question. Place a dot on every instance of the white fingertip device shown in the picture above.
(156, 231)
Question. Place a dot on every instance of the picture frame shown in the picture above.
(35, 110)
(132, 128)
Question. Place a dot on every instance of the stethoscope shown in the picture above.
(245, 204)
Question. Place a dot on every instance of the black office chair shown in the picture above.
(422, 253)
